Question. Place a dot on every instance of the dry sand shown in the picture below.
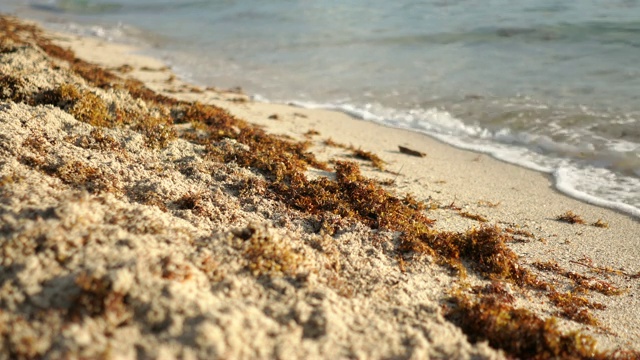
(91, 270)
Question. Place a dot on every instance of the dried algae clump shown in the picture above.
(517, 331)
(157, 131)
(582, 283)
(105, 142)
(63, 96)
(12, 88)
(575, 307)
(277, 157)
(85, 106)
(486, 251)
(267, 253)
(358, 153)
(376, 161)
(79, 174)
(353, 197)
(92, 110)
(571, 218)
(497, 289)
(601, 224)
(311, 133)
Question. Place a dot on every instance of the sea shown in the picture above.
(549, 85)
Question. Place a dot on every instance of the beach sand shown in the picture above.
(118, 242)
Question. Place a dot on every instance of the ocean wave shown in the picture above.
(85, 7)
(76, 6)
(609, 33)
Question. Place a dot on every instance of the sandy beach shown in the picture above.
(145, 217)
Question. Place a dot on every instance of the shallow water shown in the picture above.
(554, 87)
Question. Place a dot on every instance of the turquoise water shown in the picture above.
(554, 86)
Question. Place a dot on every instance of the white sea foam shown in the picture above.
(102, 32)
(567, 178)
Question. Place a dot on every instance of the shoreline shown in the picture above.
(559, 184)
(452, 181)
(620, 208)
(144, 49)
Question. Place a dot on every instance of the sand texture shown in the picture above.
(129, 229)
